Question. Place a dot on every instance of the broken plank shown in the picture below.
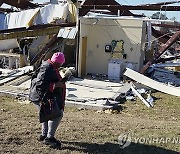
(140, 97)
(151, 83)
(87, 105)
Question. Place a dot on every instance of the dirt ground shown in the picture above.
(88, 131)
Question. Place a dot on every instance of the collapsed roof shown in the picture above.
(22, 4)
(32, 16)
(113, 6)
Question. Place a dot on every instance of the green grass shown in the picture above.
(87, 131)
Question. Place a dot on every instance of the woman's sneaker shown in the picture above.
(41, 138)
(52, 142)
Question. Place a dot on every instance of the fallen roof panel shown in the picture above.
(151, 83)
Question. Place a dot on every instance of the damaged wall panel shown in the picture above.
(151, 83)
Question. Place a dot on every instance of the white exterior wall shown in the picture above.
(101, 32)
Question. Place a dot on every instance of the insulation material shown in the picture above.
(30, 23)
(8, 44)
(50, 13)
(72, 12)
(19, 19)
(38, 16)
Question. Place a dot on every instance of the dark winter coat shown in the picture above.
(43, 83)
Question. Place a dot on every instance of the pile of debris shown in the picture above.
(112, 45)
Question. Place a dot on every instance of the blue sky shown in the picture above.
(169, 14)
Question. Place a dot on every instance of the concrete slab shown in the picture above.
(83, 93)
(88, 105)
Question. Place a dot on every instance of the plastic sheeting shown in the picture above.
(36, 16)
(51, 12)
(19, 19)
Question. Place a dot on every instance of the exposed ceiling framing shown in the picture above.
(6, 10)
(130, 7)
(22, 4)
(83, 10)
(38, 30)
(113, 6)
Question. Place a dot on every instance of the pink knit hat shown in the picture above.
(58, 57)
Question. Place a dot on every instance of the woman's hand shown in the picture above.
(65, 79)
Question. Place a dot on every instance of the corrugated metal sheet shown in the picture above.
(67, 32)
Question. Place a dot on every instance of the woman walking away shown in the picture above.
(47, 92)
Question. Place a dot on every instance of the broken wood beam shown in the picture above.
(7, 10)
(130, 7)
(166, 25)
(37, 27)
(140, 97)
(40, 55)
(163, 48)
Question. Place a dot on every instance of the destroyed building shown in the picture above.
(34, 28)
(100, 39)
